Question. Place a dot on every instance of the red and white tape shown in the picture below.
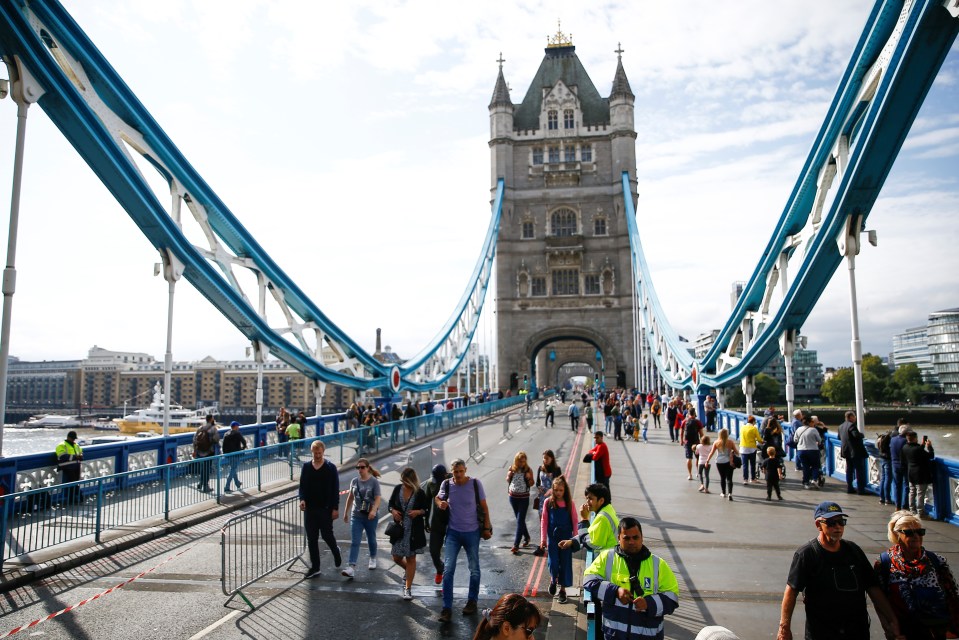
(92, 598)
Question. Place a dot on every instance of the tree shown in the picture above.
(767, 389)
(907, 375)
(735, 396)
(841, 388)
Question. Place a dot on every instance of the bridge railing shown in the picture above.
(42, 517)
(942, 498)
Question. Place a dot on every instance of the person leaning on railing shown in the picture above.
(69, 456)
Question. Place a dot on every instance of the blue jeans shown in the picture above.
(232, 477)
(359, 523)
(456, 540)
(856, 468)
(885, 480)
(810, 465)
(520, 508)
(899, 486)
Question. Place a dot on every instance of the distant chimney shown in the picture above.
(378, 350)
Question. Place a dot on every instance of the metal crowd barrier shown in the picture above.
(421, 461)
(506, 433)
(474, 451)
(258, 543)
(50, 515)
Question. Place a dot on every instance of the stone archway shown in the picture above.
(570, 344)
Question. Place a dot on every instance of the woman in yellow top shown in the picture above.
(748, 445)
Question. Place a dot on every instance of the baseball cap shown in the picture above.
(234, 424)
(829, 510)
(439, 472)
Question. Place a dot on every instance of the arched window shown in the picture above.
(563, 222)
(567, 118)
(552, 120)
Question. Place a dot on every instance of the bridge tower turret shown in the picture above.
(501, 129)
(622, 122)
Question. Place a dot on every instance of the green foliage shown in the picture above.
(767, 389)
(735, 396)
(841, 388)
(907, 375)
(873, 364)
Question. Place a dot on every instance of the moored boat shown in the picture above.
(151, 419)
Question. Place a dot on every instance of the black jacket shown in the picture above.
(233, 442)
(852, 441)
(418, 535)
(918, 462)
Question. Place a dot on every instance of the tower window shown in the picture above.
(599, 227)
(563, 222)
(591, 284)
(567, 118)
(554, 155)
(528, 229)
(538, 285)
(552, 120)
(586, 153)
(537, 155)
(566, 282)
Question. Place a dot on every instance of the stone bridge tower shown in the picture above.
(563, 277)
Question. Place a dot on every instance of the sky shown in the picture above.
(351, 139)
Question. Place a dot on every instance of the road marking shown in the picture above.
(216, 624)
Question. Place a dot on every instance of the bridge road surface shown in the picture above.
(731, 559)
(182, 598)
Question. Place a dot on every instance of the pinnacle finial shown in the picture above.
(501, 60)
(619, 51)
(560, 39)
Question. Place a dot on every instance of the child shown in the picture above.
(771, 466)
(644, 425)
(702, 452)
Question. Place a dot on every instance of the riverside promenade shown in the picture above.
(731, 558)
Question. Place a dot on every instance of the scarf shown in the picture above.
(910, 569)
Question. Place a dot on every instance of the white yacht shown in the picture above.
(151, 419)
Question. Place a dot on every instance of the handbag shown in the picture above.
(536, 503)
(395, 531)
(736, 459)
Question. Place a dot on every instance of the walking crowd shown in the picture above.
(912, 589)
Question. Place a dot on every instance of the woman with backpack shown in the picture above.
(918, 583)
(520, 480)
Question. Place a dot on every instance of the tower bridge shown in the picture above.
(572, 279)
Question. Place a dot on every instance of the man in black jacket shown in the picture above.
(854, 452)
(320, 503)
(233, 442)
(436, 519)
(917, 459)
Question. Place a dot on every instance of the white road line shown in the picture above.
(216, 624)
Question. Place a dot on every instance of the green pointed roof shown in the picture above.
(561, 63)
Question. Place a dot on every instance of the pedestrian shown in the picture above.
(408, 506)
(690, 436)
(883, 441)
(545, 474)
(519, 480)
(599, 456)
(362, 503)
(282, 421)
(204, 448)
(854, 452)
(702, 454)
(319, 495)
(512, 618)
(436, 519)
(294, 430)
(899, 483)
(635, 587)
(550, 415)
(772, 466)
(618, 411)
(918, 583)
(790, 436)
(709, 412)
(834, 577)
(644, 426)
(588, 410)
(233, 442)
(469, 521)
(656, 410)
(808, 440)
(918, 460)
(748, 446)
(723, 449)
(573, 412)
(69, 456)
(601, 532)
(557, 524)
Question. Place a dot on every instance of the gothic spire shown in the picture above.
(620, 82)
(501, 90)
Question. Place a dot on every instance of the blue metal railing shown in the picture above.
(42, 517)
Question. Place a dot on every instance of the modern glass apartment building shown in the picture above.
(912, 347)
(943, 335)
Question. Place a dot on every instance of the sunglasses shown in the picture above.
(362, 466)
(835, 522)
(912, 532)
(528, 631)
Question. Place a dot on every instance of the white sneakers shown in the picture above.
(407, 594)
(372, 563)
(348, 572)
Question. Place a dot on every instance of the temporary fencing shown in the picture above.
(258, 543)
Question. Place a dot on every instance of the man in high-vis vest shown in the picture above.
(636, 588)
(69, 455)
(601, 532)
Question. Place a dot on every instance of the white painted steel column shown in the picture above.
(749, 386)
(25, 91)
(848, 242)
(172, 270)
(787, 342)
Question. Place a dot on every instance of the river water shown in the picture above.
(19, 441)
